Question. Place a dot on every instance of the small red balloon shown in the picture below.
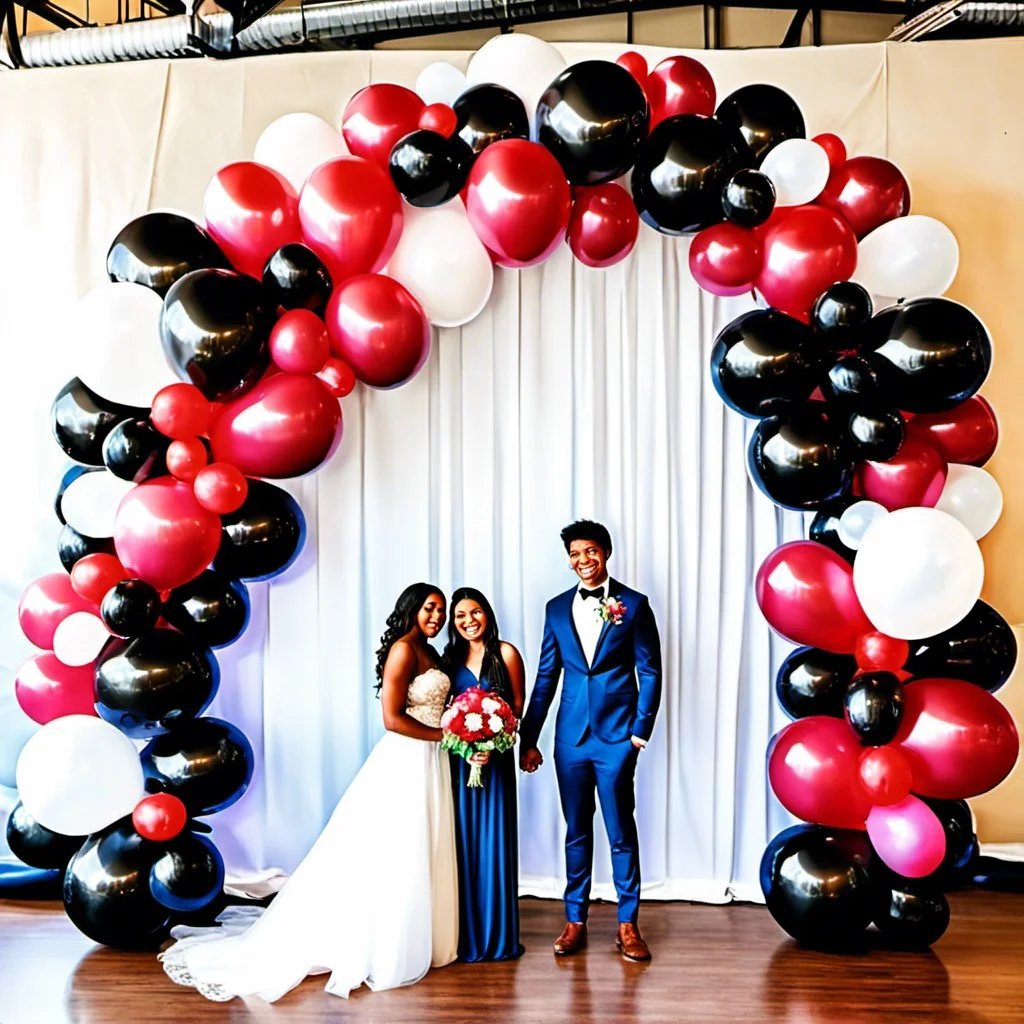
(834, 147)
(377, 117)
(93, 575)
(866, 192)
(299, 343)
(160, 817)
(440, 118)
(46, 688)
(969, 432)
(250, 212)
(220, 488)
(603, 225)
(679, 85)
(45, 603)
(885, 775)
(337, 376)
(636, 64)
(180, 411)
(877, 652)
(915, 475)
(185, 458)
(725, 259)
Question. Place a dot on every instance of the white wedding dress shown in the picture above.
(374, 901)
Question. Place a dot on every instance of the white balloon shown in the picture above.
(296, 144)
(520, 62)
(854, 522)
(118, 352)
(908, 258)
(89, 504)
(441, 82)
(918, 572)
(799, 169)
(971, 495)
(79, 638)
(78, 774)
(442, 262)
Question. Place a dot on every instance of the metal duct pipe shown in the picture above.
(996, 15)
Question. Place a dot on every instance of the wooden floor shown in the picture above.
(715, 964)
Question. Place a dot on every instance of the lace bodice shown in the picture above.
(426, 696)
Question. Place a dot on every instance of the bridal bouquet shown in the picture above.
(477, 722)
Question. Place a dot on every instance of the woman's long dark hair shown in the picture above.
(401, 620)
(457, 649)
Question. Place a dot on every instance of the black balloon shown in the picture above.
(72, 545)
(817, 886)
(69, 477)
(37, 846)
(210, 609)
(150, 684)
(874, 707)
(875, 433)
(263, 537)
(130, 608)
(825, 525)
(681, 170)
(931, 354)
(106, 890)
(81, 421)
(763, 356)
(797, 457)
(214, 328)
(593, 118)
(748, 198)
(489, 113)
(814, 682)
(295, 277)
(979, 649)
(764, 115)
(852, 381)
(188, 874)
(958, 865)
(909, 914)
(207, 763)
(157, 249)
(427, 168)
(840, 311)
(134, 450)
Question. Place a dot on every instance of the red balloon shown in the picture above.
(960, 741)
(379, 329)
(93, 575)
(725, 259)
(518, 202)
(636, 64)
(866, 192)
(877, 652)
(805, 591)
(160, 817)
(440, 118)
(220, 488)
(46, 689)
(885, 775)
(915, 475)
(351, 215)
(45, 604)
(603, 225)
(337, 376)
(680, 85)
(185, 458)
(251, 211)
(377, 117)
(180, 411)
(806, 249)
(163, 535)
(813, 769)
(298, 342)
(969, 432)
(834, 147)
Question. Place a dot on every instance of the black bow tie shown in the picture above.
(597, 593)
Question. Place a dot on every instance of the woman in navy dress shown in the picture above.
(486, 832)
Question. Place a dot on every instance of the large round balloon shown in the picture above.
(440, 82)
(296, 144)
(263, 537)
(520, 62)
(36, 846)
(295, 277)
(428, 169)
(867, 191)
(681, 170)
(210, 610)
(725, 259)
(765, 115)
(214, 329)
(679, 85)
(814, 682)
(604, 225)
(377, 117)
(488, 113)
(973, 496)
(188, 874)
(798, 168)
(81, 421)
(967, 433)
(46, 688)
(593, 117)
(909, 914)
(908, 258)
(134, 450)
(44, 604)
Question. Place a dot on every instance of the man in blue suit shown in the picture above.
(602, 638)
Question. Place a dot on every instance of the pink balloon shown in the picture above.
(45, 604)
(46, 689)
(163, 535)
(805, 591)
(915, 475)
(908, 837)
(813, 768)
(285, 427)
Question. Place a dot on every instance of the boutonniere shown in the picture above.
(611, 609)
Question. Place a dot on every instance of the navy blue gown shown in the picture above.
(487, 846)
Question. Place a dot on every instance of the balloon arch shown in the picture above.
(312, 273)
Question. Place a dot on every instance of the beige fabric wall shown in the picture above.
(86, 149)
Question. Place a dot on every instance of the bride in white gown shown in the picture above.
(376, 898)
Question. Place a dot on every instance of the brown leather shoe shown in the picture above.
(572, 939)
(631, 943)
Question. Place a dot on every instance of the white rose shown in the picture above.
(496, 724)
(490, 705)
(474, 723)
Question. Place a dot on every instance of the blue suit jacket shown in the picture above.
(618, 695)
